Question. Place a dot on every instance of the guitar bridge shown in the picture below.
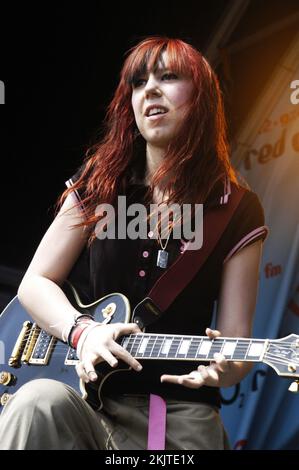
(16, 354)
(32, 338)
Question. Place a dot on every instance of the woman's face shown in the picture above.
(159, 101)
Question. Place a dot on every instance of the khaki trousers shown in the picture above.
(47, 414)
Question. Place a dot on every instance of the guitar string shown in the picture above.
(240, 350)
(58, 344)
(243, 342)
(278, 360)
(154, 336)
(194, 344)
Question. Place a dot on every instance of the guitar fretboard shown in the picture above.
(176, 347)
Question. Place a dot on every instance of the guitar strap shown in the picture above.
(183, 270)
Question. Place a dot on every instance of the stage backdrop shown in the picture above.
(260, 413)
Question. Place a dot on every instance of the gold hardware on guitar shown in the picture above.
(15, 358)
(109, 310)
(30, 343)
(4, 398)
(294, 387)
(6, 378)
(292, 368)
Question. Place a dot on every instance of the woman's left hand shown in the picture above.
(204, 375)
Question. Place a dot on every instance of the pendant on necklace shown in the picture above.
(162, 259)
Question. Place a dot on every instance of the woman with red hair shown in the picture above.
(164, 143)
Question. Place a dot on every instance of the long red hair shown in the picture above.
(196, 159)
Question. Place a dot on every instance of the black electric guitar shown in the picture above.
(27, 352)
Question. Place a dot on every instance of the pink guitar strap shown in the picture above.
(156, 423)
(171, 283)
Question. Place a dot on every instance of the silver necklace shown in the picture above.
(162, 257)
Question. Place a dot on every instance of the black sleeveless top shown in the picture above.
(129, 267)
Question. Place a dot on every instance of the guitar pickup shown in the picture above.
(71, 357)
(43, 348)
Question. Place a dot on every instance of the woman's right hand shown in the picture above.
(100, 345)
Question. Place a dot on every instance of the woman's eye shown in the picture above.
(169, 76)
(139, 82)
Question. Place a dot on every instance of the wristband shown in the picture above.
(80, 319)
(76, 333)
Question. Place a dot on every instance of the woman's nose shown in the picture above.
(152, 86)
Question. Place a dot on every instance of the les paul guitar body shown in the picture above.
(27, 352)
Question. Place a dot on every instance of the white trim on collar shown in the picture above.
(227, 191)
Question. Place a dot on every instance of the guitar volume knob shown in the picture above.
(4, 398)
(6, 378)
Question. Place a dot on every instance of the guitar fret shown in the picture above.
(161, 342)
(156, 347)
(135, 345)
(167, 343)
(241, 350)
(179, 346)
(200, 340)
(255, 349)
(127, 343)
(215, 348)
(184, 347)
(142, 346)
(149, 347)
(174, 347)
(204, 349)
(229, 348)
(194, 344)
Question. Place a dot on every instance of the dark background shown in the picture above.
(60, 64)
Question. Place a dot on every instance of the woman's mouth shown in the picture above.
(155, 112)
(156, 117)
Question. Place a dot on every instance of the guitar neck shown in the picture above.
(176, 347)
